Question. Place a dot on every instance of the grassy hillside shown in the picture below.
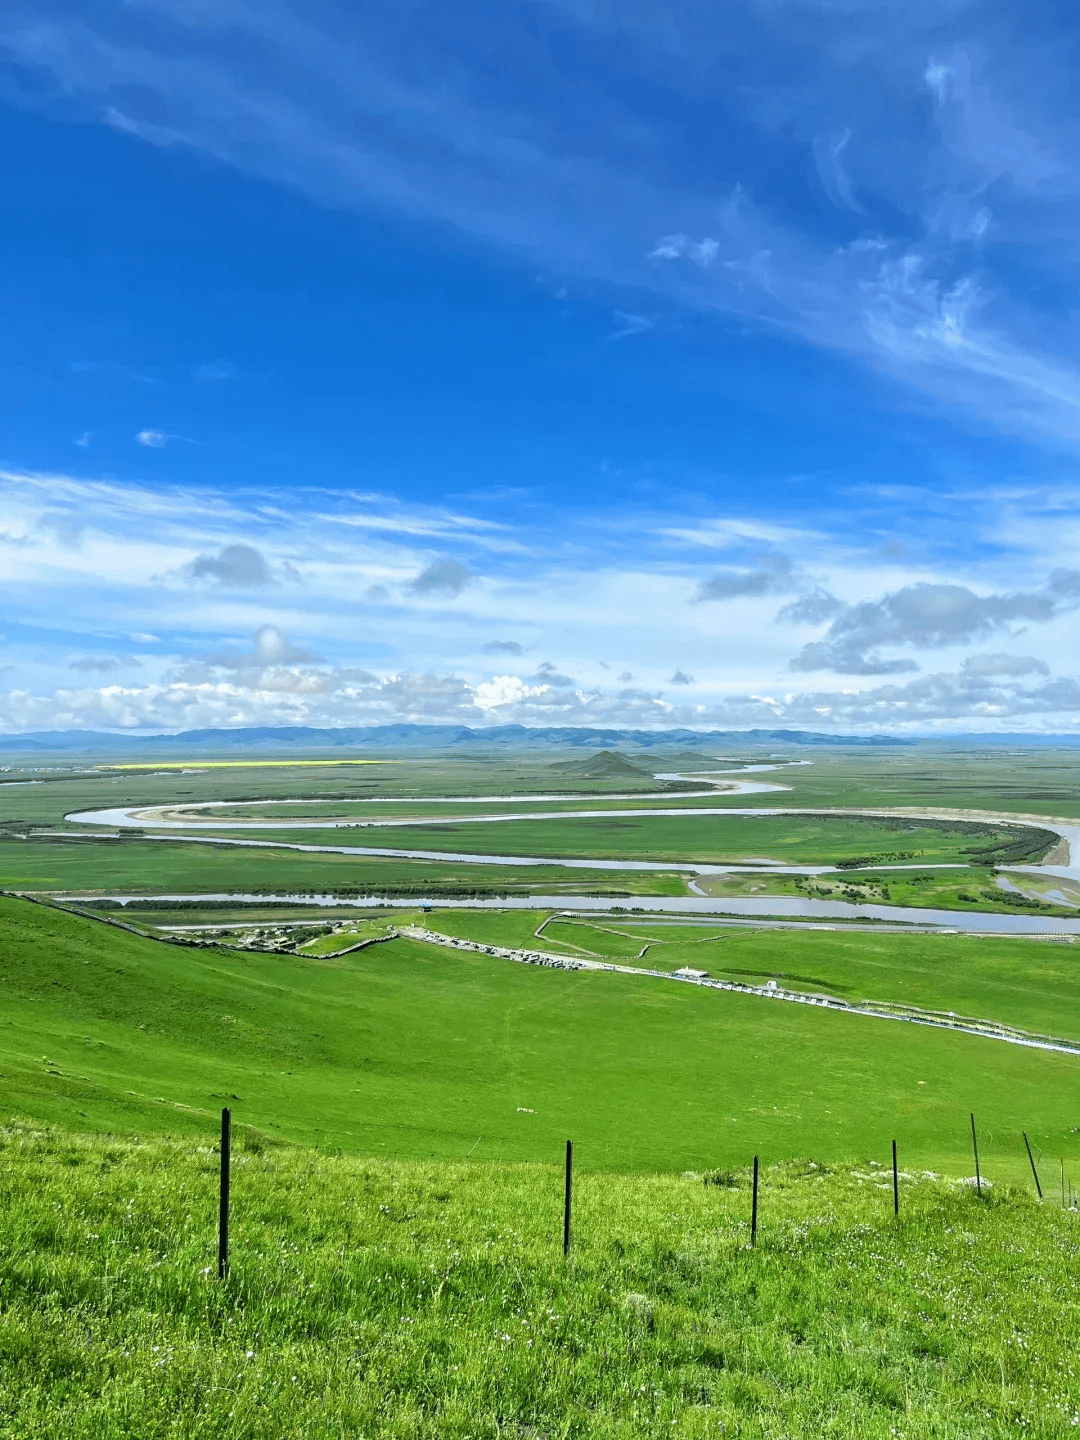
(419, 1051)
(1032, 983)
(427, 1301)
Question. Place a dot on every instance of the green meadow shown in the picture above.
(132, 866)
(708, 839)
(426, 1300)
(420, 1051)
(1031, 983)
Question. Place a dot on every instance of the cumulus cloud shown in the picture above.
(269, 646)
(442, 577)
(104, 663)
(236, 566)
(926, 616)
(776, 574)
(205, 694)
(503, 690)
(546, 674)
(845, 660)
(812, 609)
(680, 679)
(503, 647)
(1007, 665)
(273, 666)
(625, 677)
(947, 696)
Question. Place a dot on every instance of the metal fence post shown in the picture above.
(1031, 1158)
(568, 1197)
(223, 1201)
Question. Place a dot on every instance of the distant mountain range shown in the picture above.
(459, 737)
(427, 737)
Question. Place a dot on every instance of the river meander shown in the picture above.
(177, 825)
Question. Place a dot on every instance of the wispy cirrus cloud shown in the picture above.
(922, 147)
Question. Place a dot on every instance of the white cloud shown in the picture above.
(296, 695)
(684, 247)
(926, 616)
(87, 553)
(214, 371)
(153, 439)
(355, 118)
(236, 565)
(503, 690)
(445, 577)
(104, 663)
(828, 152)
(776, 575)
(627, 325)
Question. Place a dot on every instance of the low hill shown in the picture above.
(432, 1300)
(700, 759)
(605, 765)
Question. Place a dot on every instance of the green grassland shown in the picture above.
(1030, 983)
(362, 809)
(417, 1050)
(416, 776)
(132, 866)
(353, 933)
(428, 1301)
(421, 1294)
(1042, 782)
(960, 889)
(708, 839)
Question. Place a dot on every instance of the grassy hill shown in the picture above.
(431, 1301)
(605, 765)
(418, 1051)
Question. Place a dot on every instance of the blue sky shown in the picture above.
(563, 362)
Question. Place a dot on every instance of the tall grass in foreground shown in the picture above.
(369, 1298)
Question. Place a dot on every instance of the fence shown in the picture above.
(568, 1192)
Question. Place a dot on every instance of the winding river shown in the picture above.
(171, 823)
